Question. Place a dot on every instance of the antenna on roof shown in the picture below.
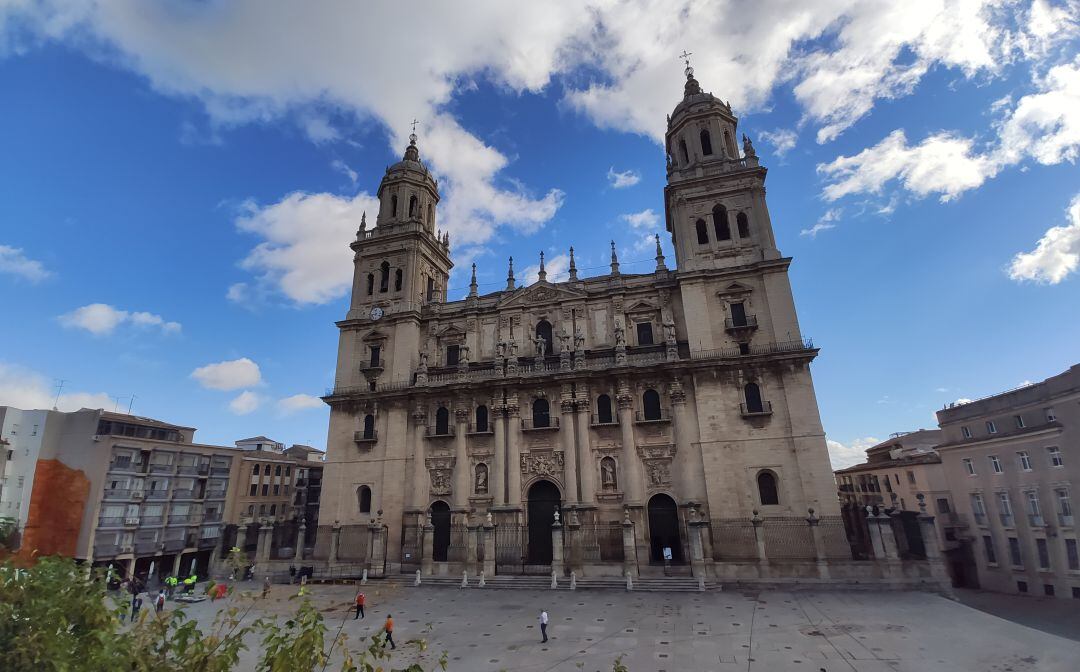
(59, 388)
(131, 403)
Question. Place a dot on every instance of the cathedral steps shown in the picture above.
(674, 584)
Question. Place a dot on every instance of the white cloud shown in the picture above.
(228, 375)
(101, 319)
(850, 454)
(245, 402)
(557, 268)
(782, 140)
(27, 389)
(824, 223)
(299, 402)
(237, 292)
(344, 168)
(627, 178)
(646, 219)
(1056, 255)
(14, 261)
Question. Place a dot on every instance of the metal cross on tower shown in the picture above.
(412, 136)
(685, 55)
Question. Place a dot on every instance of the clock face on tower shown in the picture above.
(376, 313)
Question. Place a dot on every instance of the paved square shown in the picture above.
(719, 631)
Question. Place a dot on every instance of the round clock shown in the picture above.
(376, 313)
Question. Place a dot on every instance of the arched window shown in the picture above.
(369, 426)
(384, 276)
(481, 418)
(650, 405)
(412, 206)
(603, 410)
(543, 330)
(255, 471)
(370, 283)
(363, 497)
(541, 413)
(480, 482)
(753, 398)
(393, 205)
(702, 232)
(682, 151)
(431, 289)
(766, 486)
(706, 143)
(743, 224)
(442, 421)
(720, 223)
(266, 470)
(397, 280)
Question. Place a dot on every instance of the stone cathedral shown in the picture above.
(656, 398)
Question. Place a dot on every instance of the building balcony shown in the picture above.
(111, 521)
(373, 366)
(162, 468)
(439, 432)
(216, 494)
(179, 519)
(117, 493)
(147, 546)
(764, 409)
(184, 494)
(611, 421)
(157, 494)
(1065, 519)
(207, 542)
(1006, 519)
(744, 326)
(1036, 520)
(219, 471)
(641, 418)
(480, 429)
(366, 437)
(107, 550)
(151, 521)
(188, 469)
(980, 519)
(539, 424)
(172, 545)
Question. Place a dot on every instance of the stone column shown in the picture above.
(566, 438)
(215, 555)
(470, 544)
(489, 547)
(301, 539)
(419, 473)
(377, 550)
(462, 477)
(875, 534)
(697, 552)
(691, 463)
(262, 552)
(498, 464)
(630, 466)
(557, 564)
(176, 564)
(587, 473)
(513, 456)
(629, 546)
(427, 562)
(819, 544)
(934, 555)
(241, 539)
(888, 536)
(759, 536)
(335, 542)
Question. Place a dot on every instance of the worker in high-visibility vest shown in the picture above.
(170, 585)
(189, 584)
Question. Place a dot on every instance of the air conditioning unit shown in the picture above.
(137, 495)
(131, 520)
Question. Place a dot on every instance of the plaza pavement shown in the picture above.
(483, 629)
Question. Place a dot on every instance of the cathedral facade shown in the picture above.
(655, 398)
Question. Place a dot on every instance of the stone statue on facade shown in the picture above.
(481, 479)
(564, 339)
(669, 330)
(512, 348)
(607, 474)
(463, 356)
(748, 147)
(620, 335)
(579, 339)
(541, 346)
(500, 348)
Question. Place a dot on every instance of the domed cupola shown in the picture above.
(701, 130)
(408, 191)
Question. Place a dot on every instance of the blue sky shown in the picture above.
(181, 183)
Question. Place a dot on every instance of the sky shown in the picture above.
(181, 180)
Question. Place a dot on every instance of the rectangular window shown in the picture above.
(978, 506)
(644, 333)
(969, 466)
(288, 471)
(911, 477)
(1015, 556)
(1050, 417)
(1064, 506)
(896, 478)
(1033, 503)
(1021, 586)
(1025, 460)
(965, 431)
(995, 464)
(453, 353)
(1019, 420)
(991, 428)
(988, 547)
(277, 470)
(1048, 589)
(375, 352)
(265, 489)
(1055, 456)
(254, 490)
(273, 509)
(738, 314)
(943, 505)
(1072, 553)
(1044, 553)
(277, 489)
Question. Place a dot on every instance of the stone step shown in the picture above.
(668, 585)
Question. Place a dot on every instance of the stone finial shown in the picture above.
(614, 260)
(626, 516)
(490, 522)
(660, 265)
(557, 521)
(748, 147)
(542, 275)
(812, 519)
(573, 266)
(510, 276)
(363, 225)
(472, 283)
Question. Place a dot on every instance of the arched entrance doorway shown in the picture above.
(440, 520)
(664, 529)
(543, 500)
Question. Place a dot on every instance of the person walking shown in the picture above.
(266, 586)
(136, 604)
(361, 600)
(389, 628)
(543, 625)
(159, 603)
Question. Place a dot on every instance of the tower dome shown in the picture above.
(408, 191)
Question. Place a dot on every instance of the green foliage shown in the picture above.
(172, 642)
(296, 645)
(237, 561)
(9, 533)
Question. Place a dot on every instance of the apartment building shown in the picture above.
(1012, 460)
(308, 485)
(115, 489)
(21, 433)
(265, 482)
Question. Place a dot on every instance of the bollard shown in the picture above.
(481, 584)
(701, 584)
(629, 581)
(465, 579)
(554, 579)
(417, 582)
(363, 579)
(573, 580)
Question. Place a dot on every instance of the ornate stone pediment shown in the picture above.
(451, 332)
(642, 307)
(539, 293)
(441, 473)
(542, 464)
(735, 289)
(657, 462)
(375, 335)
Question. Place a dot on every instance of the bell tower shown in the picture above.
(714, 200)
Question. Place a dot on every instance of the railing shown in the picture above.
(610, 422)
(111, 521)
(1006, 519)
(187, 469)
(179, 519)
(365, 436)
(212, 517)
(173, 544)
(764, 409)
(1036, 520)
(379, 363)
(147, 546)
(1065, 519)
(750, 322)
(219, 471)
(215, 494)
(980, 519)
(663, 416)
(780, 347)
(531, 424)
(117, 493)
(439, 432)
(184, 494)
(106, 550)
(485, 429)
(207, 542)
(121, 466)
(151, 520)
(161, 468)
(157, 494)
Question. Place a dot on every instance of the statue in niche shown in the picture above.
(423, 360)
(541, 346)
(500, 349)
(620, 335)
(669, 330)
(564, 339)
(607, 474)
(579, 339)
(463, 356)
(481, 479)
(512, 347)
(657, 474)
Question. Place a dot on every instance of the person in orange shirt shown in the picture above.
(360, 601)
(389, 628)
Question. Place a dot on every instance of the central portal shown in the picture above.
(543, 501)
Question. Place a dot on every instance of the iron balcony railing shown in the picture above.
(366, 437)
(533, 424)
(1006, 519)
(764, 409)
(662, 415)
(439, 432)
(607, 422)
(749, 322)
(481, 429)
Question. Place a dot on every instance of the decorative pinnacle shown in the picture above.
(614, 260)
(472, 283)
(510, 276)
(542, 275)
(573, 266)
(660, 266)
